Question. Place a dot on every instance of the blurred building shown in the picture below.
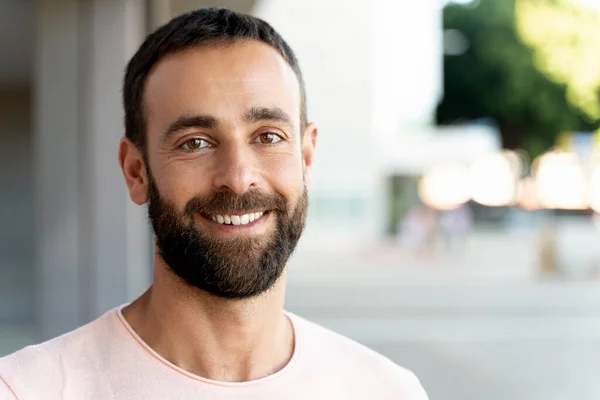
(73, 243)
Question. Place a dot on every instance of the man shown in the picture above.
(217, 142)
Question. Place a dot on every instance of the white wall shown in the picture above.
(407, 65)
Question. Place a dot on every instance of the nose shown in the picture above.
(236, 170)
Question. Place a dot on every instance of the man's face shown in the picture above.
(227, 166)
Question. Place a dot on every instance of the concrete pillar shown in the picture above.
(93, 246)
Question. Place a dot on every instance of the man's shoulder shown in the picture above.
(334, 351)
(47, 365)
(75, 342)
(339, 347)
(34, 368)
(26, 364)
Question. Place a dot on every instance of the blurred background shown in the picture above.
(454, 221)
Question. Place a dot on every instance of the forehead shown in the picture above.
(222, 81)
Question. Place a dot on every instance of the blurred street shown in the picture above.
(467, 331)
(492, 342)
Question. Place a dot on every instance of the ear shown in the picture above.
(134, 170)
(309, 142)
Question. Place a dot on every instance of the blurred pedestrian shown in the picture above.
(455, 224)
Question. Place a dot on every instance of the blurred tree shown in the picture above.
(566, 40)
(490, 73)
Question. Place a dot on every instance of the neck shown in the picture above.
(219, 339)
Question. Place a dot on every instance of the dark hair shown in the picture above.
(203, 27)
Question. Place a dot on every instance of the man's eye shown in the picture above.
(269, 138)
(194, 144)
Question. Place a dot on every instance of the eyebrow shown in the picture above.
(257, 114)
(186, 121)
(253, 115)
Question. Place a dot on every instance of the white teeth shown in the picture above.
(237, 219)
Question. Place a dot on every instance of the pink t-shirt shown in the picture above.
(107, 360)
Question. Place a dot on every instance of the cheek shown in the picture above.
(285, 174)
(179, 182)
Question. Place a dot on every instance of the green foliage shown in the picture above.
(496, 77)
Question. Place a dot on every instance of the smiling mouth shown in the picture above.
(232, 219)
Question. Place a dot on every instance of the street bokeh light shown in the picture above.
(561, 181)
(493, 179)
(445, 187)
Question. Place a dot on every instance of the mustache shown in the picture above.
(226, 202)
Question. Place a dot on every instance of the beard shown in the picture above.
(227, 267)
